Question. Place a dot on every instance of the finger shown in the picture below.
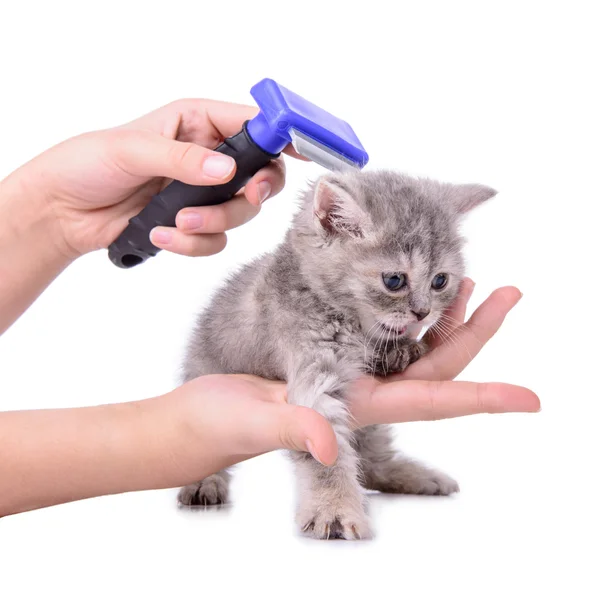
(146, 154)
(173, 240)
(450, 358)
(303, 429)
(456, 313)
(268, 182)
(216, 219)
(201, 121)
(401, 401)
(284, 426)
(454, 316)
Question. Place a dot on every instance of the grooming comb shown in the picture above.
(284, 118)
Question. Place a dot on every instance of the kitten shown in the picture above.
(371, 257)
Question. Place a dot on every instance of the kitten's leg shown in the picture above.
(398, 355)
(330, 503)
(386, 470)
(212, 490)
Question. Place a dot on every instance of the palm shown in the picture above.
(97, 193)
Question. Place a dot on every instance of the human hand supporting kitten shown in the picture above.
(226, 419)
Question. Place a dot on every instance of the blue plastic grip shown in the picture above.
(282, 110)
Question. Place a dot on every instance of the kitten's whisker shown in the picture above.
(372, 331)
(387, 354)
(370, 334)
(378, 348)
(373, 356)
(452, 337)
(441, 325)
(462, 327)
(366, 340)
(450, 319)
(445, 332)
(366, 335)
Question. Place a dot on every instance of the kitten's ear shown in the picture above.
(336, 210)
(467, 196)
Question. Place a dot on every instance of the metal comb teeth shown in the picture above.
(320, 153)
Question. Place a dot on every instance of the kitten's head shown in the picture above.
(385, 246)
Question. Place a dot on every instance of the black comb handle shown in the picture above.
(133, 246)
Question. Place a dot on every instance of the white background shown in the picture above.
(499, 93)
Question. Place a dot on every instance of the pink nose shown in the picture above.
(421, 314)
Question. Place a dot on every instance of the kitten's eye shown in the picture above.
(439, 281)
(394, 282)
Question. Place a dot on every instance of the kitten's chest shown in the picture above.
(337, 331)
(345, 338)
(380, 356)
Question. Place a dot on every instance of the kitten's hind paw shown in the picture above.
(434, 484)
(407, 477)
(209, 492)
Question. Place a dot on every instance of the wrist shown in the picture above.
(28, 218)
(31, 252)
(161, 443)
(191, 439)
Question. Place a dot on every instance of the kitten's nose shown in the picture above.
(421, 314)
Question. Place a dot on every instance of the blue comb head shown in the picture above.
(286, 118)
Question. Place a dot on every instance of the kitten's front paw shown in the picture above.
(208, 492)
(334, 522)
(398, 358)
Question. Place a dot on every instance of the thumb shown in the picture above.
(148, 154)
(298, 428)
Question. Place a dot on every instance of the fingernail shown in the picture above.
(192, 221)
(218, 166)
(264, 190)
(160, 236)
(312, 451)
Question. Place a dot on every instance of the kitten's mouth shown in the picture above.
(393, 329)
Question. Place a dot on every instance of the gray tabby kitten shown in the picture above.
(370, 257)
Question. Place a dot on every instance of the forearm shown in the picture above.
(54, 456)
(30, 254)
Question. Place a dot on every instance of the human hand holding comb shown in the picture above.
(94, 183)
(284, 118)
